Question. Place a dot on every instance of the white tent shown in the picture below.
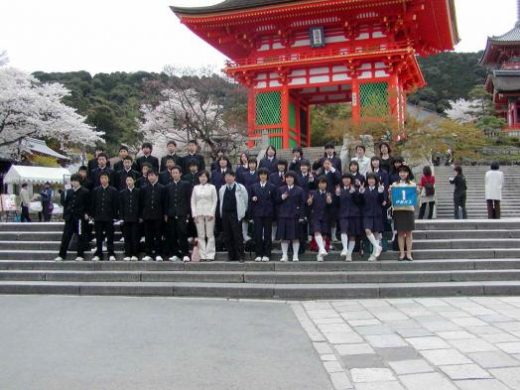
(19, 174)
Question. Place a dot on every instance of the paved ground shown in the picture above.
(451, 343)
(53, 342)
(56, 342)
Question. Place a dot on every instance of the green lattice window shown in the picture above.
(374, 99)
(277, 142)
(268, 108)
(292, 116)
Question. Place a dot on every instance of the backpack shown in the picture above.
(429, 189)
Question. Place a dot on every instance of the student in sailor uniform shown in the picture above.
(129, 214)
(320, 203)
(374, 196)
(262, 197)
(278, 178)
(269, 161)
(350, 203)
(248, 179)
(291, 205)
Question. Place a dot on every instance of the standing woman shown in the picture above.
(350, 222)
(494, 185)
(270, 161)
(459, 194)
(204, 200)
(46, 199)
(386, 158)
(427, 191)
(374, 197)
(404, 217)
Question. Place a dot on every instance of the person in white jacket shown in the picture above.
(204, 200)
(494, 185)
(233, 206)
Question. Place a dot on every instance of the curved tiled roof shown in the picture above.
(228, 5)
(509, 37)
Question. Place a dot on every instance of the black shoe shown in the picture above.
(402, 258)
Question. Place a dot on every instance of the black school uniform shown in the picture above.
(270, 164)
(96, 174)
(289, 212)
(140, 161)
(176, 158)
(218, 178)
(129, 213)
(165, 177)
(277, 179)
(121, 176)
(104, 210)
(262, 212)
(177, 207)
(189, 159)
(336, 162)
(152, 213)
(350, 212)
(75, 205)
(373, 210)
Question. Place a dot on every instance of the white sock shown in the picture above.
(274, 233)
(372, 240)
(244, 229)
(351, 246)
(319, 240)
(285, 248)
(344, 241)
(295, 247)
(333, 233)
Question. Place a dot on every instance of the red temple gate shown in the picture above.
(293, 54)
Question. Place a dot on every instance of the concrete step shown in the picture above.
(278, 277)
(420, 254)
(265, 291)
(474, 224)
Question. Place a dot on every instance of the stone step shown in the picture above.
(272, 266)
(265, 291)
(420, 254)
(447, 243)
(278, 277)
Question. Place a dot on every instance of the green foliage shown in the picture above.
(450, 76)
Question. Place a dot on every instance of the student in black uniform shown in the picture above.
(147, 157)
(296, 160)
(129, 214)
(123, 153)
(171, 147)
(93, 163)
(177, 210)
(278, 178)
(165, 177)
(75, 203)
(122, 174)
(193, 156)
(374, 197)
(262, 197)
(103, 168)
(104, 211)
(143, 180)
(152, 214)
(269, 161)
(320, 203)
(192, 174)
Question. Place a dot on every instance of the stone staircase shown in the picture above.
(473, 257)
(476, 203)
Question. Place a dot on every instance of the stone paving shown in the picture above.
(417, 344)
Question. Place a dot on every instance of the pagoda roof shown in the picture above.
(231, 25)
(228, 5)
(506, 80)
(493, 53)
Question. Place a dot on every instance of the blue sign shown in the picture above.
(404, 196)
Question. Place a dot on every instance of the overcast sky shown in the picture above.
(131, 35)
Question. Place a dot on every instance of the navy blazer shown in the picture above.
(218, 179)
(294, 206)
(271, 166)
(383, 177)
(336, 162)
(248, 179)
(264, 206)
(165, 177)
(373, 202)
(333, 179)
(276, 180)
(305, 183)
(320, 209)
(349, 203)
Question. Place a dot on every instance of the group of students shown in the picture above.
(175, 200)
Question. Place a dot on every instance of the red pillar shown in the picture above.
(285, 117)
(356, 104)
(251, 117)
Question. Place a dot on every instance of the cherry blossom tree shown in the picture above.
(462, 111)
(182, 115)
(29, 108)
